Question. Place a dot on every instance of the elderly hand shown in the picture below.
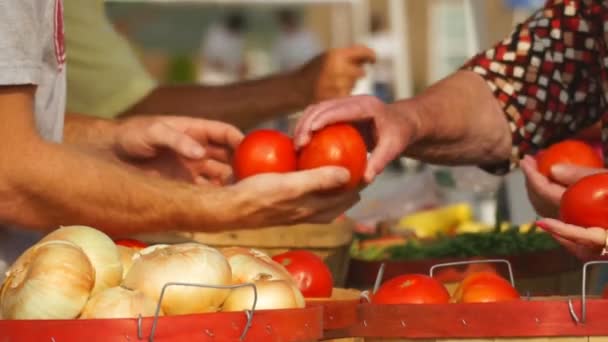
(335, 72)
(392, 131)
(194, 150)
(584, 243)
(544, 193)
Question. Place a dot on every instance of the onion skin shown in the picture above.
(100, 249)
(118, 302)
(126, 258)
(249, 265)
(272, 294)
(51, 280)
(195, 263)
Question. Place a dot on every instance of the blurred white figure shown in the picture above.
(381, 40)
(222, 51)
(295, 44)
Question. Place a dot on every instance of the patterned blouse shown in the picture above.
(550, 75)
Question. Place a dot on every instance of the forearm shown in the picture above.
(243, 104)
(459, 122)
(49, 185)
(89, 132)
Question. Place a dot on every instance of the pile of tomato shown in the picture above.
(270, 151)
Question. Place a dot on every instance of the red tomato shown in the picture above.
(411, 289)
(310, 272)
(264, 151)
(485, 287)
(131, 243)
(568, 152)
(585, 203)
(336, 145)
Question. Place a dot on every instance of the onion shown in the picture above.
(249, 265)
(100, 249)
(272, 294)
(118, 302)
(126, 258)
(51, 280)
(186, 263)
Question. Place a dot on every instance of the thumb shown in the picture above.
(318, 179)
(567, 174)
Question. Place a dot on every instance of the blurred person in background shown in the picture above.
(223, 51)
(381, 40)
(544, 83)
(105, 79)
(295, 44)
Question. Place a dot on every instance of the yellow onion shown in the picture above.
(250, 264)
(100, 249)
(126, 258)
(51, 280)
(195, 263)
(118, 302)
(272, 294)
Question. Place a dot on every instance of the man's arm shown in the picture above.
(44, 185)
(246, 104)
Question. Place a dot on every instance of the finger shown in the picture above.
(303, 129)
(316, 180)
(540, 184)
(218, 153)
(385, 151)
(162, 135)
(213, 170)
(581, 252)
(360, 54)
(568, 174)
(592, 237)
(214, 132)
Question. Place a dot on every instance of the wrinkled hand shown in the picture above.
(584, 243)
(544, 193)
(311, 196)
(194, 150)
(335, 72)
(391, 131)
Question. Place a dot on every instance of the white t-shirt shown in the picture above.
(293, 49)
(223, 56)
(32, 51)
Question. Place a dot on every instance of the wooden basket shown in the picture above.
(330, 241)
(554, 272)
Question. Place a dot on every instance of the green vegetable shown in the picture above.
(494, 243)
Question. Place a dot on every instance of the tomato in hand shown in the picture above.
(412, 289)
(264, 151)
(568, 152)
(336, 145)
(131, 243)
(585, 203)
(311, 274)
(485, 287)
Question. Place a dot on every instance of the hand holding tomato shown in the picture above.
(571, 152)
(545, 193)
(392, 130)
(585, 243)
(338, 145)
(311, 274)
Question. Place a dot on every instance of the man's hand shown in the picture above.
(392, 131)
(335, 72)
(544, 193)
(195, 150)
(312, 196)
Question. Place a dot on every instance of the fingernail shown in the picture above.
(343, 176)
(542, 225)
(315, 126)
(197, 152)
